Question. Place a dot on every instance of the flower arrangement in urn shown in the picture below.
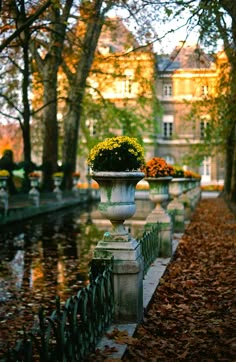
(4, 173)
(157, 167)
(116, 164)
(120, 153)
(191, 174)
(58, 174)
(34, 174)
(178, 172)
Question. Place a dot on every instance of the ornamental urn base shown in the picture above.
(117, 194)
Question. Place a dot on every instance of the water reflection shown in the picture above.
(43, 258)
(50, 253)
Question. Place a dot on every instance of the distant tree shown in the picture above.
(10, 138)
(17, 18)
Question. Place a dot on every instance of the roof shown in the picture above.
(184, 56)
(115, 37)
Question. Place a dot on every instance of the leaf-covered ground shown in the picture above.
(192, 316)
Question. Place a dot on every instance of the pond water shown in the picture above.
(46, 257)
(42, 258)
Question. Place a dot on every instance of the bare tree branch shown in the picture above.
(26, 24)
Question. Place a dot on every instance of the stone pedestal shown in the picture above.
(4, 197)
(127, 277)
(57, 191)
(175, 207)
(34, 194)
(160, 216)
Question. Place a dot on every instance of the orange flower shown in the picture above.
(157, 167)
(34, 174)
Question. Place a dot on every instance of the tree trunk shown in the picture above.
(25, 99)
(50, 126)
(233, 176)
(77, 83)
(230, 46)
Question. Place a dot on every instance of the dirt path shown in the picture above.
(192, 316)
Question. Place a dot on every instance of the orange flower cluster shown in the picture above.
(34, 174)
(191, 174)
(85, 185)
(157, 167)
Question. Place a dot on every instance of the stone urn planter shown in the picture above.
(115, 164)
(159, 193)
(176, 207)
(3, 182)
(176, 187)
(75, 180)
(34, 192)
(117, 192)
(4, 193)
(159, 190)
(57, 180)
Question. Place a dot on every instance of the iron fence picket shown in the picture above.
(150, 246)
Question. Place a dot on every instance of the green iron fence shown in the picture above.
(72, 331)
(150, 246)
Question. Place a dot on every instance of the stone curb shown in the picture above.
(150, 284)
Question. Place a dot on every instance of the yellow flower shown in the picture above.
(121, 153)
(4, 173)
(57, 174)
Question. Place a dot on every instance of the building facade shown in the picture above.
(123, 73)
(185, 76)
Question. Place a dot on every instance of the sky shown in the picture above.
(168, 43)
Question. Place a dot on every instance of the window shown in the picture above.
(91, 125)
(167, 90)
(127, 84)
(206, 169)
(169, 159)
(203, 128)
(168, 126)
(204, 90)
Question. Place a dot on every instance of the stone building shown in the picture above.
(178, 79)
(183, 77)
(124, 73)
